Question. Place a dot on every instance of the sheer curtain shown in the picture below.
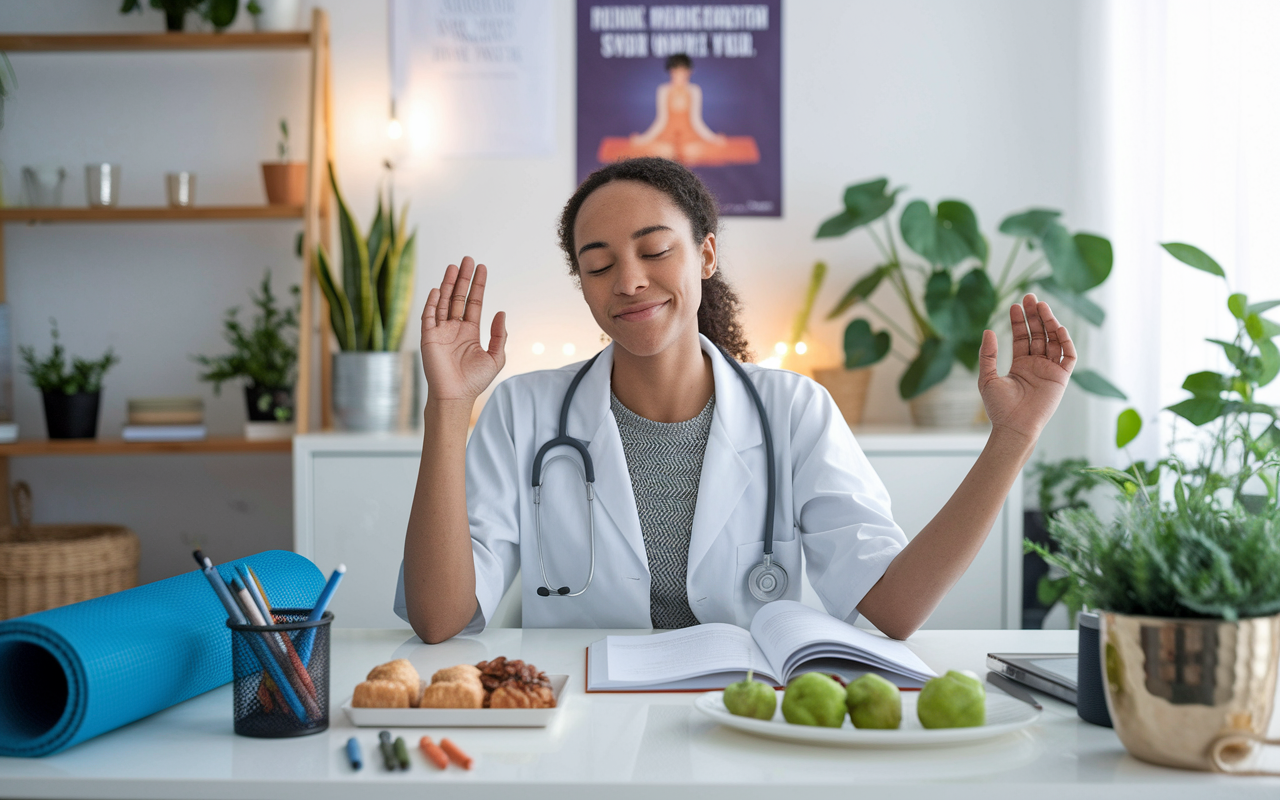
(1190, 114)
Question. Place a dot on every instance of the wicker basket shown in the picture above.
(46, 566)
(848, 387)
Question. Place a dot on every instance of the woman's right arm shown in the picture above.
(439, 574)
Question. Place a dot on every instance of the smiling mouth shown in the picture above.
(641, 314)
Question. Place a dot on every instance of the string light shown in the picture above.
(394, 129)
(539, 348)
(801, 348)
(780, 348)
(568, 349)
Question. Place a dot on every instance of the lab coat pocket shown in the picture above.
(785, 554)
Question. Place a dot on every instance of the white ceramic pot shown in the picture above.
(277, 15)
(953, 403)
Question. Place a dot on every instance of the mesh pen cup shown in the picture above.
(281, 675)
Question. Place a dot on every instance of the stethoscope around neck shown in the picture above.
(767, 580)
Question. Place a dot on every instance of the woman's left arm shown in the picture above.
(1018, 404)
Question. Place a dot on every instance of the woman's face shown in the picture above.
(641, 270)
(680, 75)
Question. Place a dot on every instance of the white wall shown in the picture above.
(976, 100)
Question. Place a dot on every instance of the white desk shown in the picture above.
(614, 746)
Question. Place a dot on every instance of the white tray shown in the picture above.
(458, 717)
(1004, 715)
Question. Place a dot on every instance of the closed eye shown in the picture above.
(598, 271)
(656, 255)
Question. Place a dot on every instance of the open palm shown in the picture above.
(1043, 356)
(456, 365)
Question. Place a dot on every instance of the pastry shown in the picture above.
(453, 694)
(515, 684)
(402, 672)
(380, 694)
(459, 673)
(517, 694)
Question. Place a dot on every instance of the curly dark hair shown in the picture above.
(678, 60)
(718, 313)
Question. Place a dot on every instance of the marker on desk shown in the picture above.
(402, 752)
(322, 604)
(353, 753)
(389, 759)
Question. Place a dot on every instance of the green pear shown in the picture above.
(751, 698)
(874, 703)
(814, 699)
(955, 700)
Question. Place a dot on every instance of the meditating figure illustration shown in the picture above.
(678, 132)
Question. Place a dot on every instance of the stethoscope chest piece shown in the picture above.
(767, 581)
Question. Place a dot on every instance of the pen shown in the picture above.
(353, 753)
(322, 603)
(402, 752)
(389, 759)
(255, 590)
(255, 643)
(286, 644)
(288, 683)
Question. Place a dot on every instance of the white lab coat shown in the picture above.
(829, 501)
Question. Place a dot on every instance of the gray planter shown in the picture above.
(375, 391)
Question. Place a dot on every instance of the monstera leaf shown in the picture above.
(862, 348)
(946, 238)
(863, 203)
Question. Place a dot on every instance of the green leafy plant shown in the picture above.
(1068, 479)
(951, 297)
(370, 307)
(266, 352)
(52, 375)
(1210, 545)
(219, 13)
(800, 325)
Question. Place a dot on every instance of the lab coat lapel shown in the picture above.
(735, 427)
(591, 420)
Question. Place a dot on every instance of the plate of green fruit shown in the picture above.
(869, 712)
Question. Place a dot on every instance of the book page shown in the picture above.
(686, 653)
(790, 634)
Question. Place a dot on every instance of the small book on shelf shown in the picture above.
(164, 433)
(785, 640)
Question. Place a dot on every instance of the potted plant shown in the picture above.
(847, 385)
(274, 15)
(70, 395)
(951, 297)
(374, 382)
(219, 13)
(1059, 485)
(264, 355)
(285, 180)
(1186, 576)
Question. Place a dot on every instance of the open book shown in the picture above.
(786, 639)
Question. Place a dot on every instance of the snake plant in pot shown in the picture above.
(953, 295)
(374, 382)
(1186, 576)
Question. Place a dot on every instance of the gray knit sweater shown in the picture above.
(665, 463)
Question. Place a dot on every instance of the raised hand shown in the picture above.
(1043, 357)
(457, 367)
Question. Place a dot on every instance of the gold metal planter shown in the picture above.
(1191, 693)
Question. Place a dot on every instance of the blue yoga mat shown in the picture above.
(71, 673)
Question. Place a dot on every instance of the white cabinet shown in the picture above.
(352, 494)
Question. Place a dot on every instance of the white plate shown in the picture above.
(1004, 715)
(458, 717)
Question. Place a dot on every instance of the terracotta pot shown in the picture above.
(848, 387)
(953, 403)
(286, 182)
(1190, 693)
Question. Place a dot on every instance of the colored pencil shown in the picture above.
(280, 660)
(250, 582)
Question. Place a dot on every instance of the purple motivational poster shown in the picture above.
(698, 83)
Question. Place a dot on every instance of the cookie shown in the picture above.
(380, 694)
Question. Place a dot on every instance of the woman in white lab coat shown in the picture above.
(640, 238)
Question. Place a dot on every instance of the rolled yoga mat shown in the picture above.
(71, 673)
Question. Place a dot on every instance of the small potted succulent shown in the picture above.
(285, 180)
(264, 354)
(70, 395)
(1186, 576)
(274, 15)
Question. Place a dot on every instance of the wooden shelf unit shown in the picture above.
(134, 42)
(150, 214)
(119, 447)
(314, 214)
